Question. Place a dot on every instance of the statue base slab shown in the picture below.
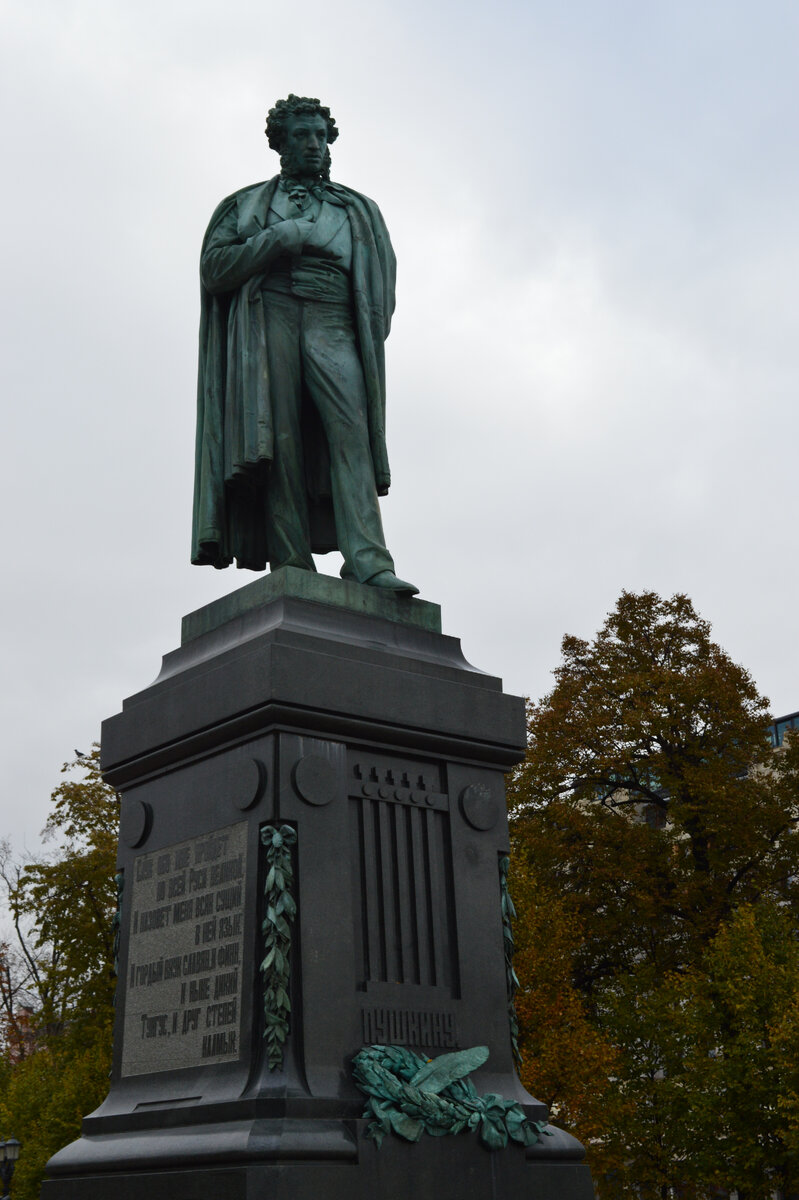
(313, 823)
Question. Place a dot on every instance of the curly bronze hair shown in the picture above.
(293, 106)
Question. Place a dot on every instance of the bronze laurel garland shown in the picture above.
(508, 917)
(397, 1104)
(280, 911)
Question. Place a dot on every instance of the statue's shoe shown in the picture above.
(388, 581)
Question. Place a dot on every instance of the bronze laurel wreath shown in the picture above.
(508, 915)
(280, 911)
(395, 1104)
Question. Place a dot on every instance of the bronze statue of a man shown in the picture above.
(297, 296)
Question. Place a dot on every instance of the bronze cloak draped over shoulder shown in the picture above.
(235, 436)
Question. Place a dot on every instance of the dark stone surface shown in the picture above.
(383, 750)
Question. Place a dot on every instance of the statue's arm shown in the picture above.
(227, 262)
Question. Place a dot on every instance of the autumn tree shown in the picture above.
(653, 807)
(567, 1061)
(17, 1000)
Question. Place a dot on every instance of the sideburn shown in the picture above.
(289, 167)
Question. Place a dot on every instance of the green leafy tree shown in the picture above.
(46, 1096)
(69, 900)
(62, 907)
(703, 1064)
(730, 1012)
(652, 805)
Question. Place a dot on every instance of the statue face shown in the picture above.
(305, 143)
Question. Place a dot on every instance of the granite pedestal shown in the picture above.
(342, 717)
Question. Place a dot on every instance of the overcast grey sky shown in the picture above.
(592, 376)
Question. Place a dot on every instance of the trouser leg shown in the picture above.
(334, 379)
(287, 522)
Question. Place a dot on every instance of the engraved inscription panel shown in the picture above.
(410, 1027)
(184, 979)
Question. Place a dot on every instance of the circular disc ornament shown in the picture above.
(315, 780)
(247, 782)
(135, 822)
(479, 807)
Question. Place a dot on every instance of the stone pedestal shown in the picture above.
(335, 729)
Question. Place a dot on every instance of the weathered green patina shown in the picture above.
(297, 296)
(409, 1096)
(290, 582)
(280, 910)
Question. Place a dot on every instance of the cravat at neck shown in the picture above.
(299, 191)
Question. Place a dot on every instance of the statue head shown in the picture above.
(291, 128)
